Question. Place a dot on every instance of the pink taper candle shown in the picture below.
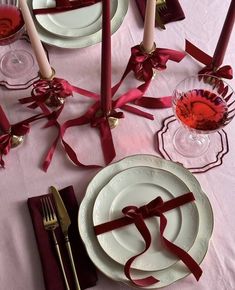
(106, 97)
(224, 36)
(149, 25)
(44, 66)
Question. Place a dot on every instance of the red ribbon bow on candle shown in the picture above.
(52, 93)
(221, 72)
(156, 207)
(11, 132)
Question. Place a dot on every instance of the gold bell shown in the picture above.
(113, 122)
(16, 140)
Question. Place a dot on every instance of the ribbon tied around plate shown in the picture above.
(65, 5)
(13, 135)
(136, 215)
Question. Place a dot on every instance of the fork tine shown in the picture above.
(49, 208)
(51, 223)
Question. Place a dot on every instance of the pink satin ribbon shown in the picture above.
(221, 72)
(65, 5)
(156, 207)
(8, 131)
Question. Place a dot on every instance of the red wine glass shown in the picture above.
(202, 104)
(15, 62)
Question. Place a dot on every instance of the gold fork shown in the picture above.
(50, 223)
(160, 7)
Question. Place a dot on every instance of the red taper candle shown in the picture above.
(224, 36)
(106, 96)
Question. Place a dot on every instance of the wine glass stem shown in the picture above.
(15, 57)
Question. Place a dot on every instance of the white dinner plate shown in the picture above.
(113, 269)
(75, 23)
(84, 41)
(138, 186)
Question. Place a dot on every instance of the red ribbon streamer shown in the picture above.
(135, 215)
(209, 69)
(143, 64)
(8, 131)
(65, 5)
(59, 88)
(98, 121)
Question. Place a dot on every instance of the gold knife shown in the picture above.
(64, 224)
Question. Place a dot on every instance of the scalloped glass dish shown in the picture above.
(138, 186)
(115, 270)
(75, 23)
(86, 40)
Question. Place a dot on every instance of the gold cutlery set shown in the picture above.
(160, 6)
(51, 222)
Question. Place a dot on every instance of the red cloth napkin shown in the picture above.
(65, 5)
(51, 270)
(174, 11)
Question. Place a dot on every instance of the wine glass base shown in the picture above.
(16, 63)
(213, 157)
(190, 145)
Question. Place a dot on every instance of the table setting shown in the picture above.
(117, 145)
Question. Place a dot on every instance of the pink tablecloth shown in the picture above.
(20, 267)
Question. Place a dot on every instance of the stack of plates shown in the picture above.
(136, 180)
(76, 28)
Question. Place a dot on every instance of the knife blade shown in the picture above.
(65, 222)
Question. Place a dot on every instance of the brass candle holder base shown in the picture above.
(51, 77)
(52, 101)
(16, 140)
(113, 122)
(144, 50)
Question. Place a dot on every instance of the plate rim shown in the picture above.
(105, 264)
(81, 42)
(44, 20)
(149, 266)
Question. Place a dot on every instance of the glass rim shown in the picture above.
(22, 27)
(204, 75)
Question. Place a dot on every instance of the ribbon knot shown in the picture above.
(50, 92)
(143, 63)
(209, 69)
(153, 208)
(225, 71)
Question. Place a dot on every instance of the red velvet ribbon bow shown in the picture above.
(143, 64)
(156, 207)
(51, 92)
(8, 132)
(221, 72)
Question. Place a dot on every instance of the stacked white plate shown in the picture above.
(76, 28)
(136, 180)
